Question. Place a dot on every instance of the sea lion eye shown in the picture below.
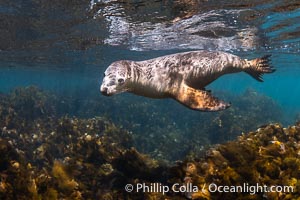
(121, 81)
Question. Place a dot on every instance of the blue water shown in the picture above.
(65, 47)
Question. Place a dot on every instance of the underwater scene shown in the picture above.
(90, 108)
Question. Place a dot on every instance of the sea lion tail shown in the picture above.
(259, 66)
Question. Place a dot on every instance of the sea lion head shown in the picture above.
(116, 78)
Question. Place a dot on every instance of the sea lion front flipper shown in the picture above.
(199, 99)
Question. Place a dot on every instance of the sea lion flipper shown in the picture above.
(199, 99)
(258, 67)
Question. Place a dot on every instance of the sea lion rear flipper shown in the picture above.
(258, 67)
(199, 99)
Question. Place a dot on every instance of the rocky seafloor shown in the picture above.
(46, 154)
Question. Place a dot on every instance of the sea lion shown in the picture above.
(181, 76)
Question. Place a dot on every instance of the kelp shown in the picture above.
(48, 155)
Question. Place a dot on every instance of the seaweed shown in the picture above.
(46, 155)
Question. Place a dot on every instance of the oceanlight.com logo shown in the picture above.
(251, 189)
(212, 188)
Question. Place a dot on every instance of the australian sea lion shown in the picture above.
(181, 76)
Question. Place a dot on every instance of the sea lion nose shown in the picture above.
(104, 91)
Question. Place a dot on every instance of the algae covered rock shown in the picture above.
(47, 155)
(256, 160)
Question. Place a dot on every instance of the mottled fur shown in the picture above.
(182, 76)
